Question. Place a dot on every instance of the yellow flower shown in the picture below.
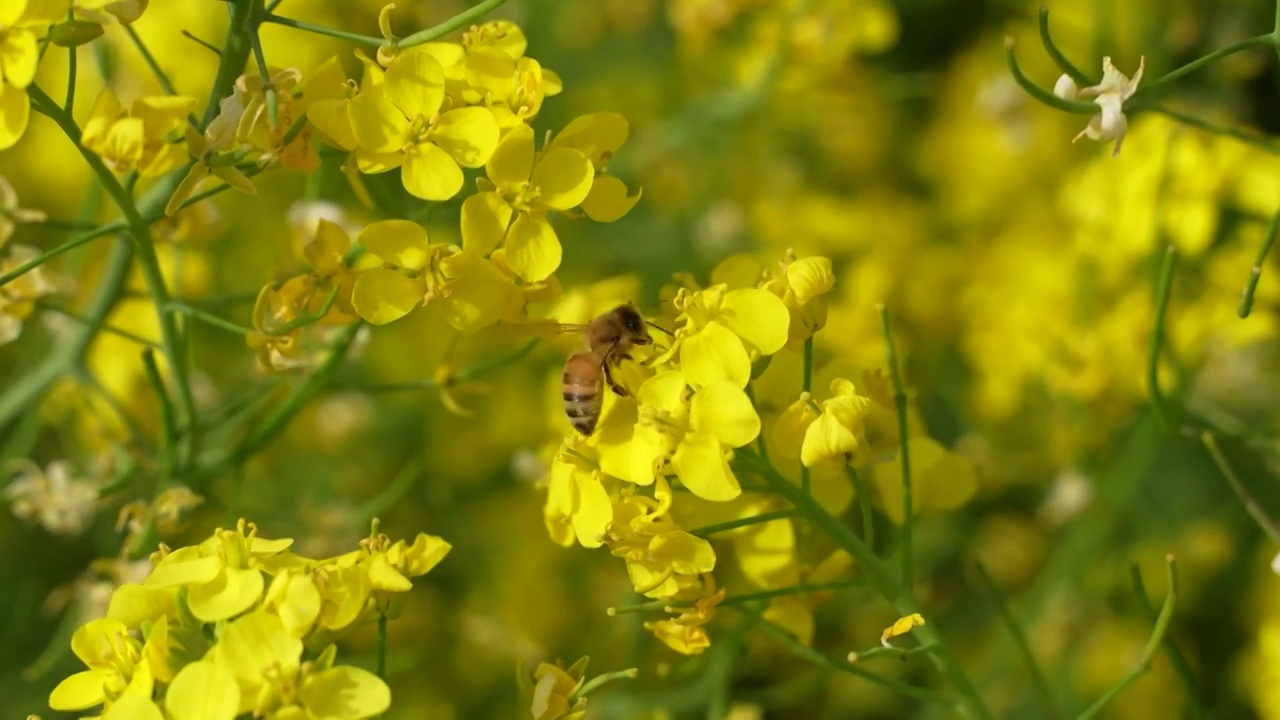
(598, 136)
(295, 599)
(553, 691)
(468, 289)
(106, 11)
(577, 503)
(18, 297)
(1110, 95)
(525, 187)
(687, 632)
(118, 666)
(663, 561)
(143, 138)
(498, 75)
(215, 155)
(802, 286)
(223, 575)
(389, 566)
(21, 23)
(266, 662)
(328, 94)
(901, 626)
(400, 123)
(10, 214)
(838, 433)
(723, 328)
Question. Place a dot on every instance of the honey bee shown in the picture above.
(609, 339)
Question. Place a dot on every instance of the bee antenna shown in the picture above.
(659, 327)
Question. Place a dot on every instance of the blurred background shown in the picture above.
(889, 136)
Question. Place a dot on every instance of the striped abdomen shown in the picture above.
(583, 390)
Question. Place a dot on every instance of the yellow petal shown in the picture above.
(15, 111)
(485, 217)
(766, 554)
(810, 277)
(184, 567)
(491, 72)
(700, 463)
(415, 84)
(134, 604)
(608, 200)
(512, 162)
(227, 595)
(256, 643)
(826, 440)
(333, 121)
(593, 510)
(597, 135)
(139, 707)
(400, 242)
(80, 691)
(724, 410)
(345, 692)
(370, 162)
(382, 295)
(758, 317)
(19, 54)
(533, 250)
(469, 135)
(324, 251)
(714, 354)
(789, 429)
(327, 82)
(203, 691)
(476, 295)
(376, 124)
(429, 173)
(424, 554)
(686, 554)
(664, 391)
(901, 626)
(563, 177)
(631, 452)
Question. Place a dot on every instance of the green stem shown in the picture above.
(1158, 400)
(743, 522)
(879, 575)
(105, 327)
(168, 430)
(461, 20)
(207, 318)
(257, 13)
(202, 43)
(1039, 93)
(1153, 644)
(382, 646)
(321, 30)
(1176, 658)
(68, 106)
(150, 60)
(1038, 681)
(1244, 136)
(1202, 62)
(234, 56)
(65, 247)
(793, 590)
(839, 665)
(900, 404)
(1056, 55)
(285, 412)
(893, 651)
(1255, 273)
(597, 681)
(864, 507)
(807, 387)
(1251, 504)
(148, 262)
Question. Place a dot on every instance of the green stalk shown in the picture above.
(1056, 55)
(864, 507)
(743, 522)
(1202, 62)
(1039, 93)
(904, 451)
(1176, 658)
(104, 327)
(904, 602)
(1255, 274)
(257, 13)
(234, 56)
(168, 430)
(1249, 138)
(140, 230)
(1251, 504)
(461, 20)
(65, 247)
(321, 30)
(1038, 681)
(1153, 644)
(69, 104)
(807, 386)
(207, 318)
(150, 60)
(1158, 401)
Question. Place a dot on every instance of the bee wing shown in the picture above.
(548, 328)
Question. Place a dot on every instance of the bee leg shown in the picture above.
(613, 384)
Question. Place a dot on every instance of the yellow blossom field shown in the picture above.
(639, 359)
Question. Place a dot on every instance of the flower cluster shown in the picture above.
(239, 624)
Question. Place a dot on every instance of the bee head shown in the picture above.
(633, 321)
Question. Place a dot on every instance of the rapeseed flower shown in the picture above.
(523, 188)
(21, 24)
(10, 214)
(469, 291)
(1110, 95)
(54, 497)
(118, 665)
(402, 122)
(144, 138)
(724, 330)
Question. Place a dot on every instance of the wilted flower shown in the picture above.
(54, 497)
(1110, 95)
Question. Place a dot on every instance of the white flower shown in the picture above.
(63, 504)
(1110, 95)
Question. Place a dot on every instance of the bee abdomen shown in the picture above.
(581, 392)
